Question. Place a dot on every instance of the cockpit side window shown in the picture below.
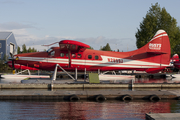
(67, 55)
(52, 53)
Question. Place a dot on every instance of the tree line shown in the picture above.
(25, 50)
(105, 48)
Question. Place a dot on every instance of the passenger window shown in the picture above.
(67, 55)
(73, 55)
(96, 57)
(79, 56)
(89, 56)
(62, 54)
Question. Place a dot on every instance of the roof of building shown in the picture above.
(5, 35)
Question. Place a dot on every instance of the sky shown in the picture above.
(93, 22)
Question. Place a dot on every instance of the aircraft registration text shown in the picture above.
(115, 60)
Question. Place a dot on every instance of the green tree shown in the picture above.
(19, 50)
(24, 50)
(29, 50)
(106, 48)
(157, 18)
(90, 48)
(33, 50)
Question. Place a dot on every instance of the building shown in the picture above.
(7, 44)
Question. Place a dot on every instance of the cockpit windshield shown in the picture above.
(49, 50)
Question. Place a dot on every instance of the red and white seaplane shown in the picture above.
(72, 55)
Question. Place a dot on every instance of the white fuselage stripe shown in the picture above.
(102, 63)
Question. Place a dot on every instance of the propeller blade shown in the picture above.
(12, 56)
(12, 59)
(13, 64)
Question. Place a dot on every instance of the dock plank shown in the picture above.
(162, 116)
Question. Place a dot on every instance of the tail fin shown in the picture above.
(157, 51)
(159, 44)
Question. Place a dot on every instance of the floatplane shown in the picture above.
(75, 56)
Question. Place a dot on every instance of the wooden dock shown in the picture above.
(96, 95)
(162, 116)
(82, 85)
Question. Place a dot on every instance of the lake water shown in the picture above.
(84, 110)
(87, 110)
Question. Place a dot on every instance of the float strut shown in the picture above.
(75, 74)
(55, 72)
(85, 75)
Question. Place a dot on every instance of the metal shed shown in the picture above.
(7, 44)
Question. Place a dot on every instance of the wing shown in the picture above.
(72, 45)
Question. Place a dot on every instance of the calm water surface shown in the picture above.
(87, 110)
(84, 110)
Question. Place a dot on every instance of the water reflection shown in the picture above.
(84, 110)
(155, 80)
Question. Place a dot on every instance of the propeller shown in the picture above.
(12, 59)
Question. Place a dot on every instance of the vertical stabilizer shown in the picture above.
(157, 51)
